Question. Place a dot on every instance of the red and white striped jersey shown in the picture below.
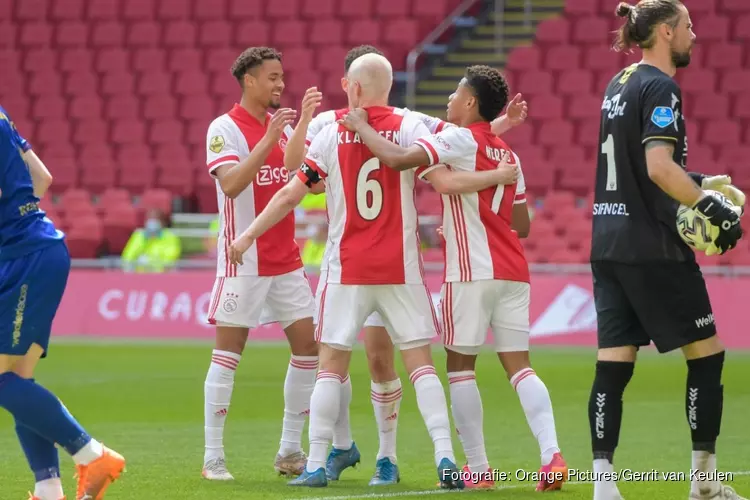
(325, 118)
(479, 241)
(372, 229)
(230, 139)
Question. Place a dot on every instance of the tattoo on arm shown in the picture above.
(656, 143)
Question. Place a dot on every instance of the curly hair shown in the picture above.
(490, 88)
(358, 52)
(642, 19)
(252, 58)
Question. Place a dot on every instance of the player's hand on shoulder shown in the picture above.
(439, 231)
(507, 173)
(517, 110)
(723, 184)
(238, 247)
(354, 119)
(723, 217)
(280, 119)
(310, 102)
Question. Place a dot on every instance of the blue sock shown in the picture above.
(40, 453)
(35, 407)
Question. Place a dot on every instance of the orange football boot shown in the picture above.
(95, 478)
(478, 481)
(553, 474)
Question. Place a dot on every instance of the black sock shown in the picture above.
(605, 406)
(704, 399)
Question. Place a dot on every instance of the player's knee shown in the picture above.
(615, 375)
(459, 362)
(703, 348)
(514, 361)
(706, 371)
(618, 354)
(381, 366)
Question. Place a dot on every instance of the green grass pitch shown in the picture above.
(146, 401)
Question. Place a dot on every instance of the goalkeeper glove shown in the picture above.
(725, 219)
(723, 184)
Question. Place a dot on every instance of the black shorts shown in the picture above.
(665, 302)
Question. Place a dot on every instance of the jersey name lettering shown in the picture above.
(494, 154)
(614, 107)
(611, 209)
(353, 137)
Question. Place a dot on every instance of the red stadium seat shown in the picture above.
(246, 9)
(149, 59)
(282, 9)
(318, 9)
(546, 107)
(196, 107)
(519, 136)
(154, 83)
(159, 199)
(434, 10)
(289, 32)
(553, 31)
(117, 84)
(35, 34)
(591, 30)
(102, 10)
(41, 60)
(196, 134)
(91, 132)
(219, 60)
(160, 107)
(92, 153)
(524, 58)
(96, 176)
(85, 108)
(215, 34)
(535, 82)
(363, 31)
(72, 34)
(562, 58)
(144, 34)
(32, 10)
(211, 11)
(107, 34)
(137, 176)
(6, 11)
(53, 132)
(76, 61)
(724, 56)
(42, 84)
(171, 10)
(575, 82)
(697, 80)
(602, 59)
(113, 198)
(721, 133)
(138, 10)
(697, 8)
(575, 8)
(165, 132)
(48, 107)
(298, 59)
(122, 106)
(179, 34)
(184, 59)
(707, 106)
(112, 60)
(402, 32)
(741, 108)
(331, 60)
(191, 83)
(172, 177)
(585, 107)
(329, 32)
(81, 84)
(735, 81)
(734, 158)
(555, 133)
(360, 9)
(118, 226)
(70, 10)
(735, 6)
(742, 27)
(85, 238)
(11, 59)
(713, 28)
(128, 132)
(252, 34)
(392, 8)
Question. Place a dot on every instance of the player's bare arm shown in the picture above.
(41, 177)
(235, 178)
(515, 115)
(294, 153)
(447, 181)
(391, 154)
(520, 220)
(280, 205)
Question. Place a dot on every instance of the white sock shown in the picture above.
(537, 406)
(604, 490)
(466, 406)
(218, 394)
(324, 411)
(298, 387)
(704, 461)
(386, 401)
(342, 431)
(89, 453)
(49, 489)
(434, 410)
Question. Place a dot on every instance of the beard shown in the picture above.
(274, 104)
(681, 59)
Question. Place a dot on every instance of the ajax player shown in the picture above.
(34, 268)
(647, 284)
(486, 276)
(245, 156)
(374, 263)
(385, 386)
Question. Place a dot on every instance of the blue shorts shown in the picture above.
(31, 288)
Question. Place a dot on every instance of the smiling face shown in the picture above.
(265, 83)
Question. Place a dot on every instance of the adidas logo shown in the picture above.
(221, 413)
(393, 416)
(572, 311)
(306, 412)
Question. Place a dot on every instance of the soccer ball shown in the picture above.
(695, 229)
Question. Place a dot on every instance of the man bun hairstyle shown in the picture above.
(358, 52)
(252, 58)
(641, 21)
(490, 88)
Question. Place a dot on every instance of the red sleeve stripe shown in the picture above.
(307, 143)
(223, 159)
(440, 126)
(520, 198)
(314, 165)
(434, 158)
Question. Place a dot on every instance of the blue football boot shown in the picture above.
(386, 473)
(340, 460)
(315, 479)
(449, 475)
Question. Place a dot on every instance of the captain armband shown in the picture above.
(311, 176)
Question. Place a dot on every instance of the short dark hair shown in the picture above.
(490, 88)
(641, 20)
(358, 52)
(252, 58)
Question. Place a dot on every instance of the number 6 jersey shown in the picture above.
(372, 216)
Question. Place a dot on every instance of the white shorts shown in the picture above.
(373, 319)
(406, 311)
(250, 301)
(469, 309)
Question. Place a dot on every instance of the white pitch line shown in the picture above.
(399, 494)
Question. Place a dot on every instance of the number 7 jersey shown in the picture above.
(372, 216)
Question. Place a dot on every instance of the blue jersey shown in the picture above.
(24, 228)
